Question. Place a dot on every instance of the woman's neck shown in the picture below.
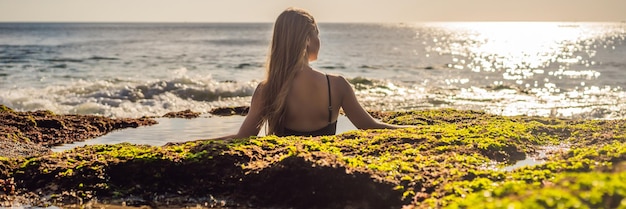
(304, 67)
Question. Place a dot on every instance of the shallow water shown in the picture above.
(542, 155)
(529, 161)
(180, 130)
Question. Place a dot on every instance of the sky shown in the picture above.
(322, 10)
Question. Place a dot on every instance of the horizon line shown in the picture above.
(320, 22)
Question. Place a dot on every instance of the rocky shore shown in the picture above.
(451, 159)
(26, 134)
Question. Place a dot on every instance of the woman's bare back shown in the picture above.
(308, 101)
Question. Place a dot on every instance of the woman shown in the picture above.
(296, 99)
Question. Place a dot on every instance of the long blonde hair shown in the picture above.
(288, 53)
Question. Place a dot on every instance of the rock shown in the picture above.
(188, 114)
(31, 133)
(50, 123)
(12, 149)
(7, 186)
(228, 111)
(450, 159)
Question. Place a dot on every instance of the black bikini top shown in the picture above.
(330, 129)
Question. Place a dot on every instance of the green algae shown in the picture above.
(441, 162)
(566, 190)
(4, 108)
(7, 165)
(549, 185)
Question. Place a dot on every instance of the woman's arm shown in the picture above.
(355, 112)
(252, 123)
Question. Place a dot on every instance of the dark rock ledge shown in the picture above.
(32, 133)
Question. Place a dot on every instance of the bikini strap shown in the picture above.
(330, 105)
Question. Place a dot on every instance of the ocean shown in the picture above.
(556, 69)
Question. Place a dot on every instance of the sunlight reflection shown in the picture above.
(495, 46)
(536, 68)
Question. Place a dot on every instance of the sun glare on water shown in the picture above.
(551, 64)
(505, 45)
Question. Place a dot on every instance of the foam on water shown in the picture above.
(120, 98)
(130, 99)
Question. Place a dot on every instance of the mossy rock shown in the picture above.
(188, 114)
(229, 111)
(454, 159)
(48, 129)
(4, 108)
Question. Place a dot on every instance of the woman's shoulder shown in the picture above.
(339, 83)
(258, 91)
(339, 79)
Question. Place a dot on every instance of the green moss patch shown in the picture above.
(450, 159)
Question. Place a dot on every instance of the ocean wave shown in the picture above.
(332, 67)
(184, 88)
(119, 98)
(502, 99)
(61, 66)
(102, 58)
(13, 59)
(249, 65)
(237, 42)
(64, 60)
(124, 98)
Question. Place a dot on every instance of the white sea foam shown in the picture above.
(128, 99)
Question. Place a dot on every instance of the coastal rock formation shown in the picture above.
(450, 159)
(228, 111)
(188, 114)
(31, 133)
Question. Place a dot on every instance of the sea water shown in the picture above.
(558, 69)
(181, 130)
